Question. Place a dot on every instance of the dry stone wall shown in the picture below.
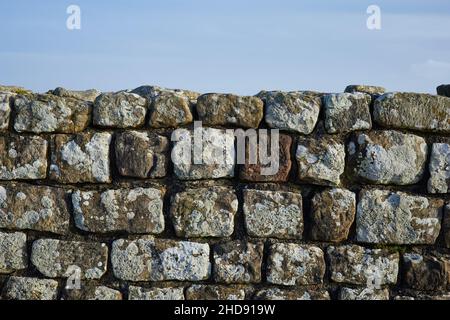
(94, 203)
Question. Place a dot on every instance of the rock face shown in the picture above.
(13, 252)
(446, 225)
(85, 95)
(23, 157)
(138, 210)
(443, 90)
(139, 293)
(5, 109)
(214, 292)
(204, 212)
(169, 110)
(63, 259)
(119, 110)
(363, 294)
(291, 294)
(141, 154)
(211, 155)
(49, 113)
(216, 109)
(345, 112)
(357, 265)
(90, 291)
(273, 214)
(81, 158)
(414, 111)
(397, 218)
(387, 157)
(152, 92)
(439, 181)
(293, 264)
(20, 288)
(149, 259)
(238, 262)
(426, 273)
(332, 214)
(372, 90)
(320, 161)
(291, 111)
(39, 208)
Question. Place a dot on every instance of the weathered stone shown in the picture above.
(23, 157)
(39, 113)
(6, 100)
(426, 273)
(13, 252)
(320, 161)
(443, 90)
(238, 262)
(139, 293)
(28, 207)
(14, 89)
(414, 111)
(291, 111)
(345, 112)
(292, 264)
(357, 265)
(138, 210)
(141, 154)
(81, 158)
(90, 291)
(19, 288)
(86, 95)
(390, 217)
(363, 294)
(170, 109)
(274, 214)
(119, 110)
(211, 156)
(149, 259)
(446, 226)
(152, 92)
(372, 90)
(291, 294)
(63, 259)
(216, 109)
(273, 171)
(387, 157)
(204, 212)
(332, 214)
(214, 292)
(439, 181)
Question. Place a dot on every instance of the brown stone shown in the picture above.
(424, 272)
(214, 292)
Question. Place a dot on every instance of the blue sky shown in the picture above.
(233, 46)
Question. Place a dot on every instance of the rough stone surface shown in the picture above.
(443, 90)
(266, 171)
(152, 92)
(63, 259)
(273, 214)
(320, 161)
(372, 90)
(149, 259)
(439, 166)
(204, 212)
(387, 157)
(214, 292)
(138, 210)
(119, 110)
(39, 208)
(238, 262)
(332, 214)
(170, 109)
(216, 109)
(13, 252)
(215, 159)
(23, 157)
(291, 111)
(291, 294)
(170, 293)
(358, 265)
(425, 273)
(89, 291)
(345, 112)
(363, 294)
(20, 288)
(446, 225)
(293, 264)
(390, 217)
(86, 95)
(414, 111)
(141, 154)
(81, 158)
(5, 109)
(48, 113)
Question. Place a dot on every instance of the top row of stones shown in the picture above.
(63, 111)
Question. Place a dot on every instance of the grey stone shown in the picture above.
(152, 92)
(363, 294)
(91, 291)
(292, 264)
(345, 112)
(425, 272)
(6, 99)
(446, 225)
(372, 90)
(13, 252)
(14, 89)
(292, 294)
(204, 212)
(214, 292)
(358, 265)
(274, 214)
(170, 109)
(443, 90)
(138, 210)
(387, 157)
(439, 166)
(170, 293)
(85, 95)
(20, 288)
(389, 217)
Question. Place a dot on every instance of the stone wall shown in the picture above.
(93, 207)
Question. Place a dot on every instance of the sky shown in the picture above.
(230, 46)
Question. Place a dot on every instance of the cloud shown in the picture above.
(432, 69)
